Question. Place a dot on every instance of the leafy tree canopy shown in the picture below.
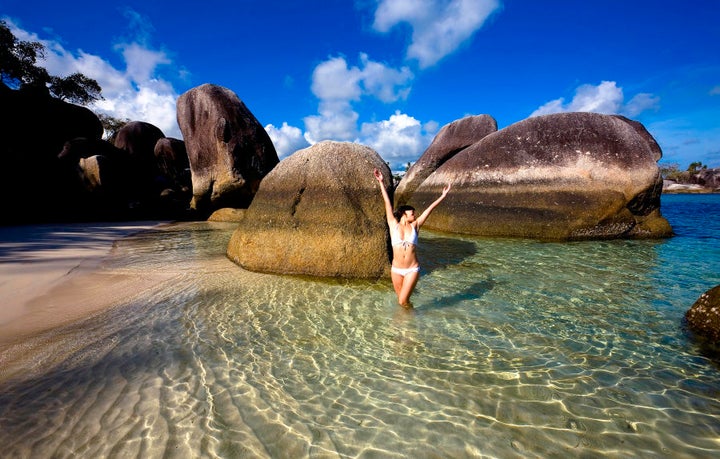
(112, 125)
(18, 69)
(695, 166)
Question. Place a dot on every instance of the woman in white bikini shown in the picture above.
(404, 228)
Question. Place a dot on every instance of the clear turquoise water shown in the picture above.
(516, 348)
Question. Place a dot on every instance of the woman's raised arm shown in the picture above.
(388, 205)
(421, 219)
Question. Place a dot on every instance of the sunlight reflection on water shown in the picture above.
(516, 348)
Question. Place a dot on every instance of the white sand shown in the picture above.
(41, 265)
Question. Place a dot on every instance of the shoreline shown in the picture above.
(48, 273)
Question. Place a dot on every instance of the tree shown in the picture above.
(18, 69)
(75, 88)
(694, 166)
(112, 125)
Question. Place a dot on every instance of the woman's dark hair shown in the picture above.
(400, 211)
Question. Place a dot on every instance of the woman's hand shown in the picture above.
(445, 190)
(378, 175)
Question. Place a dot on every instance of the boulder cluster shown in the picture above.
(57, 166)
(566, 176)
(319, 212)
(702, 181)
(556, 177)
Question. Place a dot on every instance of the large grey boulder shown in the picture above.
(703, 317)
(449, 141)
(228, 149)
(560, 177)
(320, 213)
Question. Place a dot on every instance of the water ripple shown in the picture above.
(515, 349)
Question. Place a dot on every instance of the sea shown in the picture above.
(514, 348)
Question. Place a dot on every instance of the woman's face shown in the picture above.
(409, 216)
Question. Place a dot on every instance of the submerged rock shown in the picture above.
(318, 212)
(227, 214)
(703, 317)
(560, 177)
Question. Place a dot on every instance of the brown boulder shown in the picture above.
(450, 140)
(227, 214)
(228, 149)
(560, 177)
(703, 317)
(173, 164)
(320, 213)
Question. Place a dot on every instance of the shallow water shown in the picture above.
(515, 348)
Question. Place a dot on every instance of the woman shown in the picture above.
(404, 228)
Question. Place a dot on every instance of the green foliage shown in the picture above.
(670, 171)
(76, 88)
(17, 59)
(18, 69)
(112, 125)
(673, 172)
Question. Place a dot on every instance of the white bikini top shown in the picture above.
(395, 239)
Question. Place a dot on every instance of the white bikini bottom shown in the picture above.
(405, 271)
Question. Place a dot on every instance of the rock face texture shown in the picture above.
(320, 213)
(566, 176)
(709, 178)
(228, 149)
(703, 317)
(172, 161)
(450, 140)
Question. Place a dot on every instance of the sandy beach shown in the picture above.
(44, 269)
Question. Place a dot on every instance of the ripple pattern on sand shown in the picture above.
(514, 349)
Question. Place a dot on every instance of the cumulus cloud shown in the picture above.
(338, 85)
(640, 103)
(135, 93)
(399, 139)
(605, 98)
(333, 80)
(385, 83)
(286, 139)
(439, 27)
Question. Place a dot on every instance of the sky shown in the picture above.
(390, 73)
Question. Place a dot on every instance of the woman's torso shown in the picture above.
(404, 244)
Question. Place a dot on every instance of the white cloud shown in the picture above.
(141, 62)
(383, 82)
(400, 139)
(336, 121)
(338, 85)
(333, 80)
(286, 139)
(606, 98)
(134, 93)
(439, 27)
(640, 103)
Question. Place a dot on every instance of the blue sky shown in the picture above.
(390, 73)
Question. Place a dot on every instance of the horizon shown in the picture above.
(390, 73)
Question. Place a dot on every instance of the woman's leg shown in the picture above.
(397, 281)
(409, 281)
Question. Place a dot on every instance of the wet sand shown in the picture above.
(49, 276)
